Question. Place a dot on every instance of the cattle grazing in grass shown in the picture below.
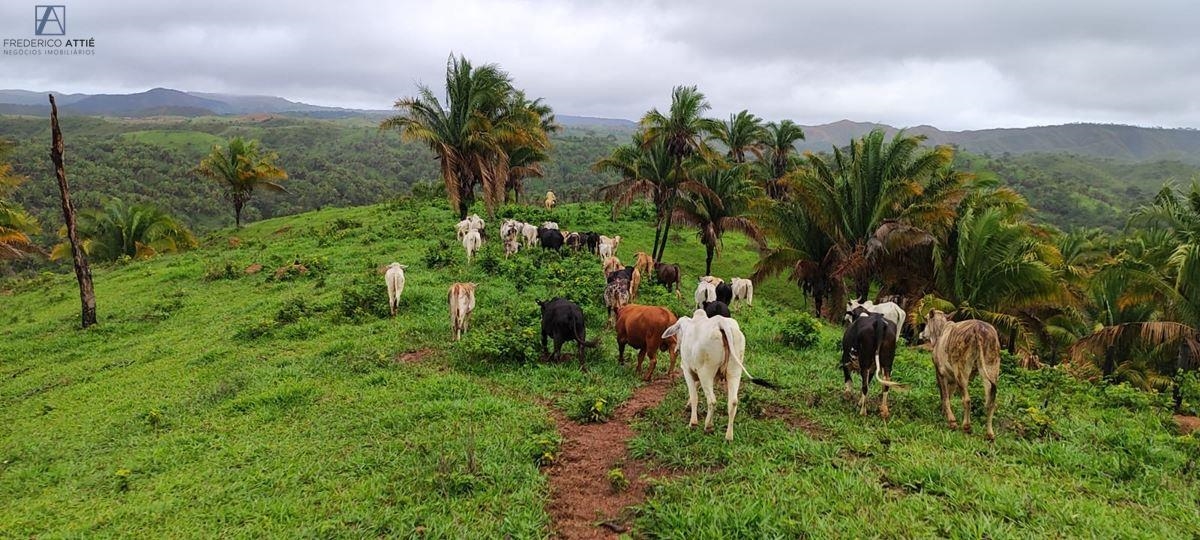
(529, 234)
(471, 243)
(743, 290)
(616, 295)
(462, 228)
(712, 309)
(642, 328)
(669, 275)
(395, 284)
(707, 346)
(511, 246)
(608, 246)
(476, 223)
(644, 262)
(960, 350)
(462, 303)
(510, 229)
(890, 311)
(550, 239)
(705, 292)
(712, 279)
(562, 321)
(550, 225)
(869, 346)
(593, 242)
(575, 241)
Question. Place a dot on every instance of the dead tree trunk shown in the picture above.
(87, 295)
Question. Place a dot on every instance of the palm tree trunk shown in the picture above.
(237, 213)
(657, 232)
(708, 258)
(83, 273)
(662, 248)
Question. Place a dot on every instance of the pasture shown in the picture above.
(286, 403)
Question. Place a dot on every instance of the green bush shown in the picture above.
(511, 342)
(221, 270)
(440, 255)
(543, 447)
(293, 310)
(591, 406)
(1189, 392)
(254, 330)
(800, 331)
(364, 297)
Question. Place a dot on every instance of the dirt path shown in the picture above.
(583, 503)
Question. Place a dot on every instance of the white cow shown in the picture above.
(395, 284)
(714, 280)
(706, 346)
(511, 246)
(890, 311)
(550, 225)
(608, 246)
(476, 222)
(510, 229)
(462, 304)
(743, 289)
(462, 228)
(529, 234)
(705, 292)
(471, 243)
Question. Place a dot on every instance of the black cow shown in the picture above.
(869, 346)
(725, 293)
(712, 309)
(563, 321)
(626, 273)
(667, 274)
(575, 241)
(550, 238)
(593, 242)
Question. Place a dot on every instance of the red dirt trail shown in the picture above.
(583, 503)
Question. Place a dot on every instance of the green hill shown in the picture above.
(211, 402)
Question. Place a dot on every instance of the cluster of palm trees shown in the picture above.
(486, 133)
(15, 223)
(890, 217)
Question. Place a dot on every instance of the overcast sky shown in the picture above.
(955, 64)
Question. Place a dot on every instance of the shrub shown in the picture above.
(512, 342)
(254, 330)
(364, 297)
(439, 255)
(543, 448)
(616, 479)
(1123, 395)
(1034, 423)
(299, 267)
(221, 270)
(1189, 392)
(293, 310)
(800, 331)
(591, 406)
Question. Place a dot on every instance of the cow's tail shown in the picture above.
(579, 338)
(880, 328)
(727, 342)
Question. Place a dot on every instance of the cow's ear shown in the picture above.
(673, 329)
(404, 267)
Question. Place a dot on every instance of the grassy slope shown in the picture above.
(188, 411)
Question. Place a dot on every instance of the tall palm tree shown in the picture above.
(852, 194)
(243, 167)
(742, 134)
(724, 206)
(800, 248)
(15, 223)
(779, 154)
(136, 231)
(473, 130)
(525, 159)
(681, 130)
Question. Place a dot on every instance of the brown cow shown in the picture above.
(960, 349)
(668, 274)
(644, 263)
(643, 327)
(611, 264)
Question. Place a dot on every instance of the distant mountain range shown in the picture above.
(1101, 140)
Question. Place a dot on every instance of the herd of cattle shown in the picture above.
(710, 342)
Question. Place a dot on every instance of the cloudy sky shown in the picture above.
(955, 64)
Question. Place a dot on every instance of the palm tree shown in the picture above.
(682, 131)
(15, 223)
(136, 231)
(850, 196)
(742, 134)
(525, 160)
(1159, 267)
(723, 207)
(779, 154)
(483, 117)
(801, 248)
(242, 167)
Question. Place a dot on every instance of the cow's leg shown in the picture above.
(621, 354)
(966, 403)
(653, 354)
(883, 404)
(558, 343)
(544, 351)
(711, 398)
(944, 388)
(689, 379)
(846, 378)
(865, 375)
(582, 364)
(989, 392)
(732, 384)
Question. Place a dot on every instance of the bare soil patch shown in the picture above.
(1187, 424)
(795, 420)
(583, 501)
(412, 357)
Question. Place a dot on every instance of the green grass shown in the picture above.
(190, 141)
(213, 403)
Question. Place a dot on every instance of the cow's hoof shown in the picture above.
(991, 437)
(953, 425)
(884, 414)
(966, 428)
(729, 438)
(692, 425)
(708, 429)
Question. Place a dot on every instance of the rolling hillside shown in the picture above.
(214, 402)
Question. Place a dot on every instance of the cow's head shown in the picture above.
(935, 324)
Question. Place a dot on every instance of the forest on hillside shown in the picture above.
(351, 162)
